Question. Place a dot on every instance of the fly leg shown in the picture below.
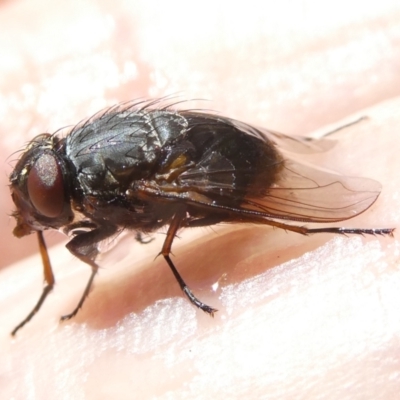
(344, 126)
(176, 222)
(303, 230)
(354, 231)
(84, 246)
(48, 278)
(141, 240)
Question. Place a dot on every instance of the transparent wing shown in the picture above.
(307, 194)
(294, 144)
(301, 193)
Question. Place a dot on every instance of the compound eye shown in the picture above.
(45, 186)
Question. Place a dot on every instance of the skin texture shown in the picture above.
(299, 317)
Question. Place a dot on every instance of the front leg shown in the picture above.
(48, 277)
(85, 247)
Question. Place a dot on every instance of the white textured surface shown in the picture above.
(258, 343)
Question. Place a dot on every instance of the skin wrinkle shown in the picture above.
(321, 319)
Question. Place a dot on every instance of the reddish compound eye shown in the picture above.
(45, 186)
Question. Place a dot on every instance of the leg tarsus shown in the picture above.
(192, 298)
(354, 231)
(139, 238)
(351, 123)
(303, 230)
(47, 289)
(83, 298)
(199, 304)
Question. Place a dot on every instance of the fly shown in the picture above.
(141, 166)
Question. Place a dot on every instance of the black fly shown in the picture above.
(140, 166)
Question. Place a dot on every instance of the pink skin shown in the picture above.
(326, 324)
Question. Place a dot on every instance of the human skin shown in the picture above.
(299, 317)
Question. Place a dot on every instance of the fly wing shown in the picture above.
(293, 144)
(301, 193)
